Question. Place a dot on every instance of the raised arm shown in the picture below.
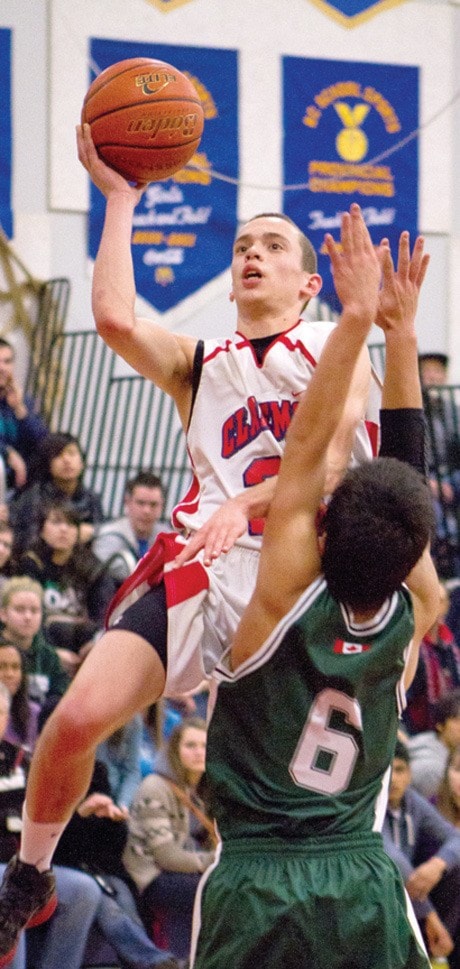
(403, 427)
(289, 557)
(163, 357)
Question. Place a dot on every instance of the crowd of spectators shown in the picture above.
(60, 564)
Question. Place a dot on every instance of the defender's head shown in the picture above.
(377, 526)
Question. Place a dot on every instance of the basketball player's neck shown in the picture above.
(254, 324)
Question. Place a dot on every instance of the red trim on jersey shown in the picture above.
(188, 504)
(373, 431)
(297, 346)
(180, 584)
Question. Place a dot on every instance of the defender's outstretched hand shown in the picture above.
(401, 287)
(106, 179)
(356, 266)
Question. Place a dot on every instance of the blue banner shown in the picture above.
(183, 228)
(6, 215)
(342, 122)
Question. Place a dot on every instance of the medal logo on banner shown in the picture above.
(183, 227)
(343, 123)
(6, 214)
(350, 13)
(168, 4)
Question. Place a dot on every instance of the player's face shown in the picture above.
(10, 668)
(22, 615)
(267, 265)
(144, 507)
(192, 750)
(400, 780)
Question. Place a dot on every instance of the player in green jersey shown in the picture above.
(303, 731)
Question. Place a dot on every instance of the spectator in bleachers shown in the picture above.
(57, 474)
(426, 849)
(22, 728)
(63, 938)
(448, 797)
(443, 421)
(94, 841)
(438, 671)
(6, 549)
(77, 589)
(121, 754)
(21, 613)
(125, 540)
(169, 841)
(21, 428)
(430, 749)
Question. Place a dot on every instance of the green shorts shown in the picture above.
(329, 904)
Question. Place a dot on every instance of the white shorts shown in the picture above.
(204, 606)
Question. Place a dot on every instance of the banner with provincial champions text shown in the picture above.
(350, 136)
(6, 215)
(184, 226)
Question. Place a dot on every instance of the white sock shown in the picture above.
(38, 841)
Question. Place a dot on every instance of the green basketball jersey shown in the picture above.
(302, 735)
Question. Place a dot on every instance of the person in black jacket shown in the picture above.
(57, 473)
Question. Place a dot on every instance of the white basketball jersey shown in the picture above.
(240, 417)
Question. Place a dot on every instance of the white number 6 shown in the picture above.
(319, 737)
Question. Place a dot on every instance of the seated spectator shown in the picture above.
(429, 750)
(443, 460)
(448, 797)
(6, 548)
(63, 939)
(121, 754)
(77, 590)
(21, 428)
(169, 842)
(426, 849)
(94, 841)
(57, 474)
(438, 671)
(22, 727)
(21, 613)
(125, 540)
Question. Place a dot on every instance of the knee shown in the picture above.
(71, 727)
(78, 891)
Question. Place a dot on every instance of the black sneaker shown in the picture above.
(27, 898)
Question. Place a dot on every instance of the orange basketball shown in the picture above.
(146, 118)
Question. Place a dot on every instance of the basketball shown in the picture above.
(146, 118)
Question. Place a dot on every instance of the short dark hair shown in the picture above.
(446, 707)
(6, 343)
(377, 525)
(63, 507)
(50, 448)
(143, 479)
(440, 358)
(402, 751)
(309, 257)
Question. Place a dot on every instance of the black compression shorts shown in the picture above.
(148, 617)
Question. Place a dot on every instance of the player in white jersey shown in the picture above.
(273, 276)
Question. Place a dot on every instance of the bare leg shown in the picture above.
(120, 676)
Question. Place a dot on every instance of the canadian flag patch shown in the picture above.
(340, 646)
